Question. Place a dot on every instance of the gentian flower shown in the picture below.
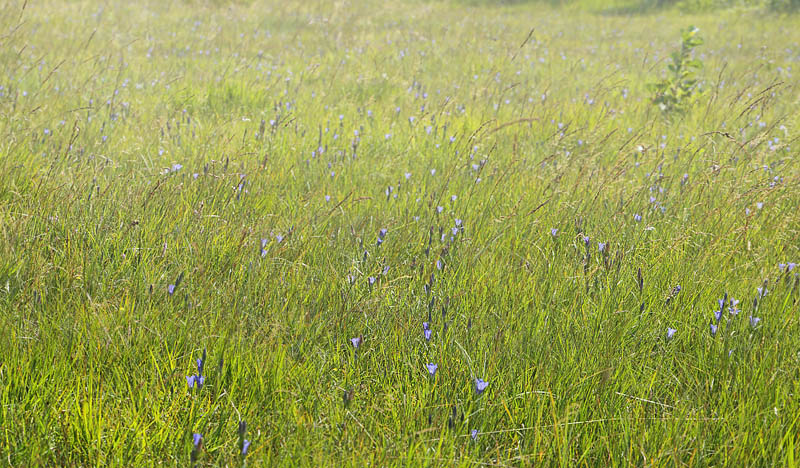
(713, 328)
(172, 287)
(732, 308)
(432, 368)
(474, 434)
(197, 380)
(480, 386)
(245, 444)
(427, 334)
(356, 342)
(553, 232)
(754, 321)
(197, 443)
(670, 332)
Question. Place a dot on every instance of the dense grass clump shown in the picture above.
(395, 234)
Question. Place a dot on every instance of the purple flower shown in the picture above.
(474, 434)
(172, 287)
(601, 246)
(713, 328)
(371, 280)
(425, 326)
(670, 332)
(197, 442)
(458, 222)
(718, 315)
(586, 241)
(356, 342)
(762, 291)
(553, 232)
(754, 321)
(480, 386)
(245, 444)
(439, 209)
(427, 334)
(637, 217)
(197, 380)
(732, 308)
(432, 368)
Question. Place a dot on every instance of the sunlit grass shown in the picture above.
(258, 150)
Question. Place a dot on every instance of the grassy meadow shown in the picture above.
(413, 233)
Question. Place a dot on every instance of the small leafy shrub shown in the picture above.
(676, 92)
(785, 5)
